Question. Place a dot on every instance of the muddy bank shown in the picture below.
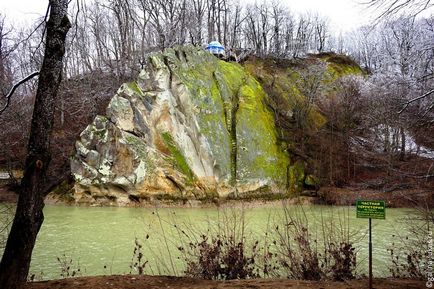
(407, 198)
(403, 198)
(150, 282)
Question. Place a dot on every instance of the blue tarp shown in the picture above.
(215, 48)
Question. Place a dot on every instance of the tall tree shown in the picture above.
(29, 216)
(5, 51)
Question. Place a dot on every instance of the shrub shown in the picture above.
(221, 257)
(300, 255)
(343, 257)
(414, 248)
(67, 267)
(137, 262)
(6, 217)
(221, 252)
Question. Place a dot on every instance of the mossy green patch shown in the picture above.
(177, 157)
(139, 147)
(214, 86)
(208, 94)
(135, 88)
(311, 180)
(259, 154)
(232, 74)
(317, 119)
(296, 177)
(339, 70)
(339, 65)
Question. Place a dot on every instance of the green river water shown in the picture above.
(100, 240)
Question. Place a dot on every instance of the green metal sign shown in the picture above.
(371, 209)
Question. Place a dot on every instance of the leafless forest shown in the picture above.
(384, 118)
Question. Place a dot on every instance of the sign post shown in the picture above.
(370, 253)
(371, 210)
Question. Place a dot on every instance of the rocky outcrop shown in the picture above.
(191, 126)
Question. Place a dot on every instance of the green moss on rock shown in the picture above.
(312, 181)
(296, 177)
(259, 154)
(177, 157)
(214, 85)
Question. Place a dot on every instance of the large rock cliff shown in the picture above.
(191, 126)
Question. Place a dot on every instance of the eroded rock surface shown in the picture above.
(191, 126)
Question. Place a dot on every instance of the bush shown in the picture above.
(343, 257)
(226, 249)
(221, 257)
(414, 248)
(300, 255)
(67, 267)
(222, 251)
(6, 217)
(137, 262)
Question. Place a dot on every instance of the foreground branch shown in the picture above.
(15, 86)
(389, 8)
(415, 99)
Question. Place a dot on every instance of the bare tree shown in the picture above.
(277, 15)
(321, 32)
(197, 13)
(211, 7)
(15, 263)
(289, 30)
(303, 35)
(251, 29)
(311, 84)
(5, 51)
(235, 26)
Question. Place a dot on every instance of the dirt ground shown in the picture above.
(154, 282)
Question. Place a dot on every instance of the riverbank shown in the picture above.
(394, 198)
(347, 196)
(154, 282)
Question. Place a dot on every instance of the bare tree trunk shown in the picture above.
(402, 152)
(219, 24)
(15, 263)
(211, 6)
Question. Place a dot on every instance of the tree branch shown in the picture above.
(15, 86)
(387, 9)
(415, 99)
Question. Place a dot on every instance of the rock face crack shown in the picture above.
(224, 103)
(183, 109)
(230, 110)
(233, 133)
(166, 62)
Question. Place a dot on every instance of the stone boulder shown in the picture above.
(191, 127)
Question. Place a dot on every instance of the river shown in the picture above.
(100, 240)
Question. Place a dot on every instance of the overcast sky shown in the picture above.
(344, 15)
